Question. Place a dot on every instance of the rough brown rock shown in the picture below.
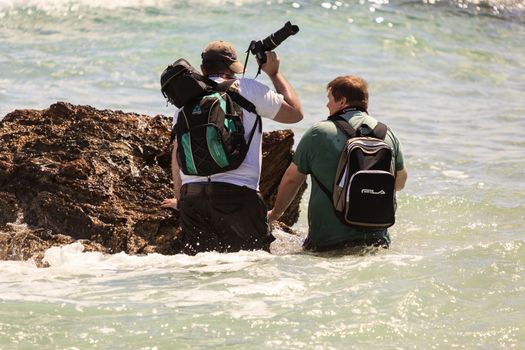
(9, 208)
(277, 156)
(77, 173)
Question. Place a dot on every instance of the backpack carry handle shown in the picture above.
(379, 132)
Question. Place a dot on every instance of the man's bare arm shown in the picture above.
(177, 182)
(290, 111)
(288, 188)
(401, 179)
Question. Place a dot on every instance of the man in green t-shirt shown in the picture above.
(318, 154)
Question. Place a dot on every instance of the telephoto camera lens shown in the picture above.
(275, 39)
(258, 48)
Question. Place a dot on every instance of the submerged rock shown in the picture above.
(77, 173)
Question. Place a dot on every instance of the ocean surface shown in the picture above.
(447, 76)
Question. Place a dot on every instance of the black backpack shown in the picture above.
(363, 194)
(209, 128)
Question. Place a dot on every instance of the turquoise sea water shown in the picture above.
(447, 76)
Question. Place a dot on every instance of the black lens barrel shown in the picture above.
(269, 43)
(275, 39)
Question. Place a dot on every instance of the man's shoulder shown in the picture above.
(359, 118)
(322, 128)
(252, 89)
(319, 133)
(372, 122)
(250, 83)
(323, 125)
(390, 137)
(266, 101)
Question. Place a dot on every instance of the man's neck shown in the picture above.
(343, 110)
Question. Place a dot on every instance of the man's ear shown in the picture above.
(342, 102)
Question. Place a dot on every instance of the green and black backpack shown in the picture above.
(209, 128)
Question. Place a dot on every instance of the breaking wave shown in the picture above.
(509, 9)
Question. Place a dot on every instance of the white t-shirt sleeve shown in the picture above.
(267, 102)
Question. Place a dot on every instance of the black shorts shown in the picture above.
(222, 217)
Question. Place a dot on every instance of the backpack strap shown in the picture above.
(378, 132)
(343, 125)
(240, 100)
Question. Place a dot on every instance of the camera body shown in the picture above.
(258, 48)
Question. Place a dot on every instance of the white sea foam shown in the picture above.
(52, 6)
(71, 260)
(73, 272)
(286, 243)
(73, 5)
(456, 174)
(254, 309)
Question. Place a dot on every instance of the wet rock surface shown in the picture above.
(73, 172)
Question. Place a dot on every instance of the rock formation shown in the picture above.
(77, 173)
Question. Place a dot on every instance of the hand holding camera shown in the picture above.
(262, 48)
(271, 67)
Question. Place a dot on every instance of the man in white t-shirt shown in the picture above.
(224, 212)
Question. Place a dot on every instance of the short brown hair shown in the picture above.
(351, 87)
